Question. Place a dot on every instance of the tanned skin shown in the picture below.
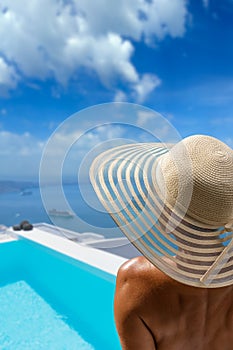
(155, 312)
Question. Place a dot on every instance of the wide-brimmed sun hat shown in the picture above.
(174, 203)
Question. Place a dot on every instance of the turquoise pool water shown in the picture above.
(50, 301)
(29, 322)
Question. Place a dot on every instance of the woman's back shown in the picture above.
(177, 316)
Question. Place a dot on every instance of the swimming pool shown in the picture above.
(52, 301)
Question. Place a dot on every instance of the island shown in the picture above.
(16, 186)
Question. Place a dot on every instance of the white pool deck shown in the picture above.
(94, 250)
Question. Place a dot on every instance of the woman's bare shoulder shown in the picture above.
(141, 271)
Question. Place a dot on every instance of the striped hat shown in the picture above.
(175, 204)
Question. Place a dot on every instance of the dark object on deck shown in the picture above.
(24, 225)
(27, 227)
(16, 228)
(25, 222)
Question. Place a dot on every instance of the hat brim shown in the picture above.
(181, 247)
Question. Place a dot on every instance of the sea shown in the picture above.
(35, 205)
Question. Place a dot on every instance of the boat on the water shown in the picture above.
(25, 193)
(61, 213)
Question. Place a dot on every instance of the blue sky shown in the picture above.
(60, 57)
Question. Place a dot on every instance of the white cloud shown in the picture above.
(19, 145)
(132, 18)
(120, 96)
(144, 117)
(158, 125)
(164, 17)
(19, 154)
(78, 142)
(206, 3)
(62, 141)
(68, 149)
(59, 38)
(145, 86)
(8, 77)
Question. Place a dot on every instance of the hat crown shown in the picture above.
(200, 168)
